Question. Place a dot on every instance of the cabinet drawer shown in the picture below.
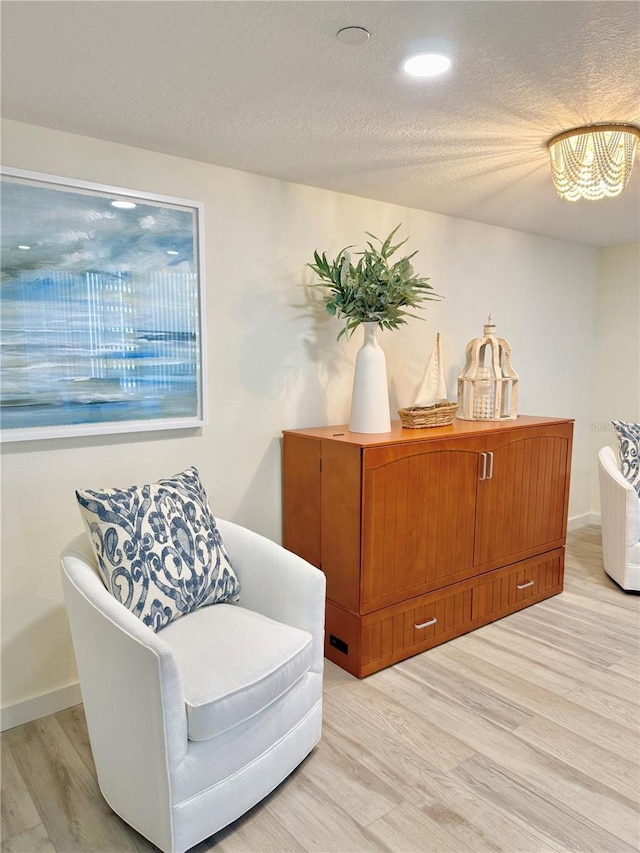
(397, 632)
(506, 590)
(365, 644)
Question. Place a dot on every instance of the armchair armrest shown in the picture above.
(277, 583)
(619, 501)
(132, 695)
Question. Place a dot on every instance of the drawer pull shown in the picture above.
(525, 585)
(426, 624)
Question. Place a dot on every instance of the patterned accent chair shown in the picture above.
(620, 518)
(192, 726)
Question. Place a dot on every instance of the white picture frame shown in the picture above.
(103, 309)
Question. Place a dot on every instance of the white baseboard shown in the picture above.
(40, 706)
(583, 520)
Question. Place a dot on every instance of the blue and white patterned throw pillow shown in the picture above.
(158, 547)
(629, 442)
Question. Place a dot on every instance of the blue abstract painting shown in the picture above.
(101, 302)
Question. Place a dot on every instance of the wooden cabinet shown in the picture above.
(426, 534)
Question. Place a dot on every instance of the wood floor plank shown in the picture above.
(552, 660)
(614, 771)
(482, 824)
(317, 822)
(257, 831)
(627, 666)
(64, 791)
(18, 809)
(615, 636)
(589, 798)
(407, 829)
(506, 656)
(477, 697)
(623, 711)
(594, 611)
(536, 627)
(572, 710)
(606, 733)
(595, 582)
(548, 813)
(74, 724)
(437, 792)
(34, 840)
(590, 576)
(383, 724)
(364, 795)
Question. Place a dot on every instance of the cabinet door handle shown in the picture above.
(484, 466)
(490, 474)
(524, 585)
(426, 624)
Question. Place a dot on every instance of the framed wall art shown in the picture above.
(102, 308)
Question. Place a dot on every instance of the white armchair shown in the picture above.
(620, 518)
(192, 726)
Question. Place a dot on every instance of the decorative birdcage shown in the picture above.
(488, 385)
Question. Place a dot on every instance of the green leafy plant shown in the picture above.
(375, 290)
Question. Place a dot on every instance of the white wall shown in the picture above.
(617, 348)
(274, 363)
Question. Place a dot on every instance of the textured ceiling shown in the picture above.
(266, 87)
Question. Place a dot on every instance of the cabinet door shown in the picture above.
(522, 501)
(419, 505)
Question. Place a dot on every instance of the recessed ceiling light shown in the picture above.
(427, 64)
(123, 205)
(24, 247)
(353, 35)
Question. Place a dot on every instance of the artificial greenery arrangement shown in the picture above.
(376, 289)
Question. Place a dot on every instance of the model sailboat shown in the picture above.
(432, 407)
(433, 390)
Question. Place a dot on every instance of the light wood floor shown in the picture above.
(522, 736)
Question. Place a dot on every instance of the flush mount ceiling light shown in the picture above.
(427, 64)
(124, 205)
(593, 162)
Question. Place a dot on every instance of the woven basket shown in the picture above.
(419, 417)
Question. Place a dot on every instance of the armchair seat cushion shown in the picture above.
(227, 677)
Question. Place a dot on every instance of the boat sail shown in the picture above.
(433, 390)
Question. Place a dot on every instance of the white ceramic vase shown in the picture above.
(370, 399)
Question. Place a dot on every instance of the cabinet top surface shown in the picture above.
(399, 434)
